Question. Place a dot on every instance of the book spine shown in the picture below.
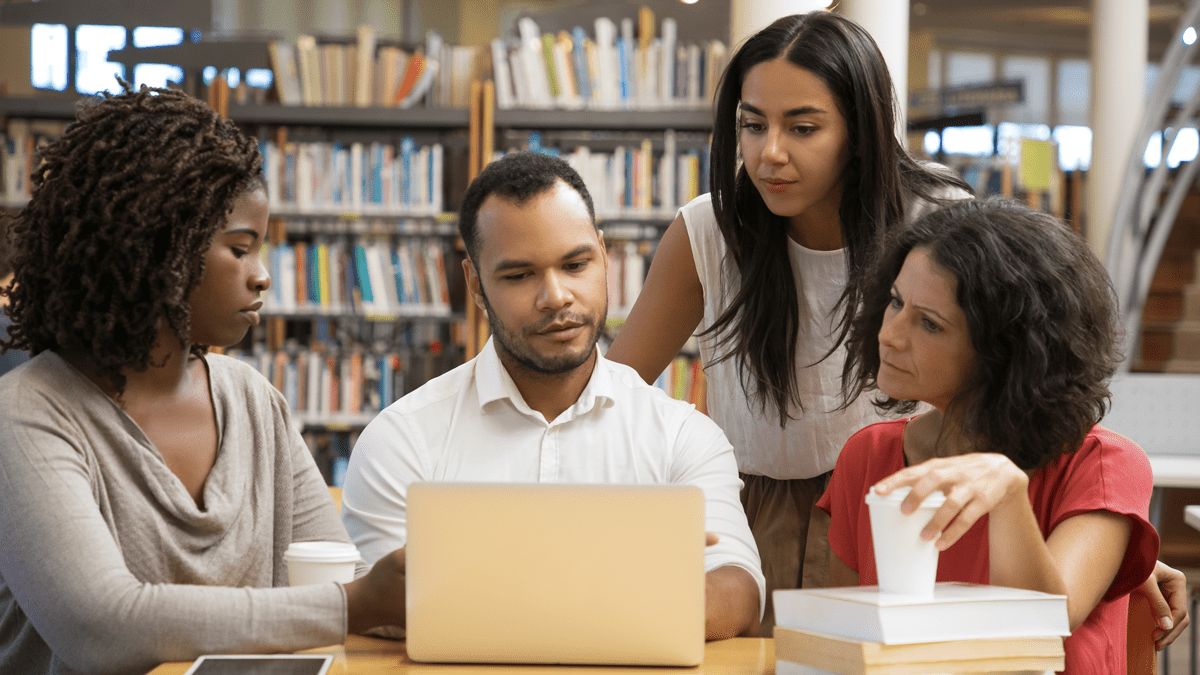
(580, 63)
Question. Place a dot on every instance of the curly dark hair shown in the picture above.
(517, 177)
(124, 205)
(1042, 318)
(760, 327)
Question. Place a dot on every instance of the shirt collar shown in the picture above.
(493, 383)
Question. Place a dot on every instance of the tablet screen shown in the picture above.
(276, 664)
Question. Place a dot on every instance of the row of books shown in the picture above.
(683, 380)
(636, 181)
(371, 275)
(355, 72)
(615, 68)
(627, 265)
(373, 178)
(342, 389)
(337, 388)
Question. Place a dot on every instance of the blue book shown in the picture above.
(360, 271)
(314, 276)
(623, 68)
(364, 175)
(263, 149)
(579, 61)
(406, 155)
(377, 173)
(289, 176)
(339, 183)
(398, 273)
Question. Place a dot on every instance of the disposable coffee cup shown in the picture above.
(905, 563)
(319, 562)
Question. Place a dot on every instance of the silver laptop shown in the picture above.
(580, 574)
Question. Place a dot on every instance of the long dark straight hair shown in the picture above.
(760, 327)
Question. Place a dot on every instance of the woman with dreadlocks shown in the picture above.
(148, 489)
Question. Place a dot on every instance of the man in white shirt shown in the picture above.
(539, 403)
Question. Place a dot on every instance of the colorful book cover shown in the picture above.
(622, 69)
(580, 61)
(323, 294)
(416, 65)
(399, 275)
(363, 280)
(406, 157)
(552, 77)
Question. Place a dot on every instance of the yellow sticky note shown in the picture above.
(1035, 164)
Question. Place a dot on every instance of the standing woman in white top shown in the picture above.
(806, 172)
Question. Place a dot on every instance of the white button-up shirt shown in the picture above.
(472, 425)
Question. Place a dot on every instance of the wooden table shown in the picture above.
(366, 656)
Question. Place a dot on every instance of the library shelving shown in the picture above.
(366, 304)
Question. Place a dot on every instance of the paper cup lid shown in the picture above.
(322, 551)
(934, 499)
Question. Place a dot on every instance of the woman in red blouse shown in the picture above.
(1005, 324)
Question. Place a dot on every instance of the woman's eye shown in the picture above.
(805, 131)
(239, 253)
(752, 126)
(930, 325)
(896, 303)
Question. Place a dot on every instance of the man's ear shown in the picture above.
(603, 250)
(472, 278)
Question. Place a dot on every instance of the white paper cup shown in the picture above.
(905, 563)
(319, 562)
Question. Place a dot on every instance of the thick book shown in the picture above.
(955, 611)
(799, 651)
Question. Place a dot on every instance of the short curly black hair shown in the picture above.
(517, 177)
(1042, 318)
(124, 205)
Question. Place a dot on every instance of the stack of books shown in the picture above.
(961, 628)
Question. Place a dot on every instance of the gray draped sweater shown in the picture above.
(106, 563)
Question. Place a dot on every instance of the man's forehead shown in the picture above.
(553, 214)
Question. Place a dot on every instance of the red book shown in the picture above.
(416, 65)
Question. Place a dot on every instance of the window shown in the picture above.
(48, 56)
(94, 73)
(969, 68)
(1074, 91)
(156, 36)
(1034, 71)
(974, 141)
(156, 74)
(1074, 146)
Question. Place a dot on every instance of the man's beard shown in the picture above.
(513, 345)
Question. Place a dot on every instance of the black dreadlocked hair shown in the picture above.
(124, 205)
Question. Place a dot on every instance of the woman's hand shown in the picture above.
(377, 598)
(974, 484)
(1167, 590)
